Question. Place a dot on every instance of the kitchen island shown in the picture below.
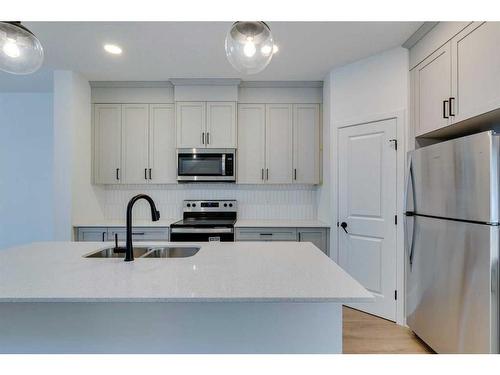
(237, 297)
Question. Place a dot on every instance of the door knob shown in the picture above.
(344, 226)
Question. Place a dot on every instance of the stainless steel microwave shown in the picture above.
(206, 165)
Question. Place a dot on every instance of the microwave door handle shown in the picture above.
(223, 164)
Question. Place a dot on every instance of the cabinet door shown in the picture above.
(306, 143)
(135, 143)
(432, 90)
(92, 234)
(107, 143)
(476, 70)
(251, 143)
(162, 154)
(318, 237)
(221, 125)
(190, 124)
(266, 234)
(279, 143)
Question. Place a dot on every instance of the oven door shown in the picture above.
(193, 234)
(205, 165)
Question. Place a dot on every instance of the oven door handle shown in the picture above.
(201, 230)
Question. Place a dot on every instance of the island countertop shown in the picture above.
(219, 272)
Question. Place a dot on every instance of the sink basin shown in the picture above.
(120, 253)
(171, 252)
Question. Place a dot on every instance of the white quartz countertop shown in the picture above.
(281, 224)
(219, 272)
(257, 223)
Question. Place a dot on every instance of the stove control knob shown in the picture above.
(230, 205)
(225, 204)
(189, 204)
(194, 204)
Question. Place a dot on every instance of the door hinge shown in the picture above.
(395, 143)
(395, 294)
(395, 219)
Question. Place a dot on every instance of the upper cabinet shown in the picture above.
(459, 80)
(476, 70)
(107, 143)
(134, 143)
(432, 80)
(278, 143)
(306, 143)
(206, 124)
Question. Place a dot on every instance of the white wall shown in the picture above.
(74, 196)
(25, 168)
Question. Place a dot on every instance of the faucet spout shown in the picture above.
(155, 216)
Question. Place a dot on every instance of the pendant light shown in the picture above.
(249, 46)
(20, 51)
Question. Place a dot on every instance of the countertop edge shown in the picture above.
(189, 300)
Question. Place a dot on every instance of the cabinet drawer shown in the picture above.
(266, 234)
(139, 234)
(92, 234)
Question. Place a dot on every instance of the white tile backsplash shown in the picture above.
(293, 202)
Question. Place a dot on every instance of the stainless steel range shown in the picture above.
(205, 221)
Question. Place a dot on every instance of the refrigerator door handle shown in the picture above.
(409, 180)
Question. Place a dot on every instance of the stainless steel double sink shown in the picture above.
(147, 252)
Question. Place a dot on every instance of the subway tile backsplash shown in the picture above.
(268, 202)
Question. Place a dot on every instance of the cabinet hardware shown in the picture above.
(262, 174)
(117, 173)
(138, 233)
(395, 294)
(103, 233)
(395, 143)
(395, 219)
(266, 234)
(445, 104)
(203, 138)
(451, 107)
(208, 138)
(267, 173)
(150, 173)
(295, 174)
(300, 237)
(145, 173)
(344, 226)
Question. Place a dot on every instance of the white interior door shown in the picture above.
(367, 204)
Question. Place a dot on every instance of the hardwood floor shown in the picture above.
(368, 334)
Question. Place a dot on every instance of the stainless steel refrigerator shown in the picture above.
(452, 244)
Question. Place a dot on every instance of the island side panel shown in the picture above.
(170, 327)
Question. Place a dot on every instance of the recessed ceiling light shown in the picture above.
(113, 49)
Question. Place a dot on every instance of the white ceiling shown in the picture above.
(158, 51)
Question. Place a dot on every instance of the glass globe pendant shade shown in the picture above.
(20, 51)
(249, 46)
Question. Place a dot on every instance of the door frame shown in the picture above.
(403, 138)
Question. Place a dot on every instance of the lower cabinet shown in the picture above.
(108, 234)
(318, 236)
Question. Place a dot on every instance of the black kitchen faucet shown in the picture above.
(155, 216)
